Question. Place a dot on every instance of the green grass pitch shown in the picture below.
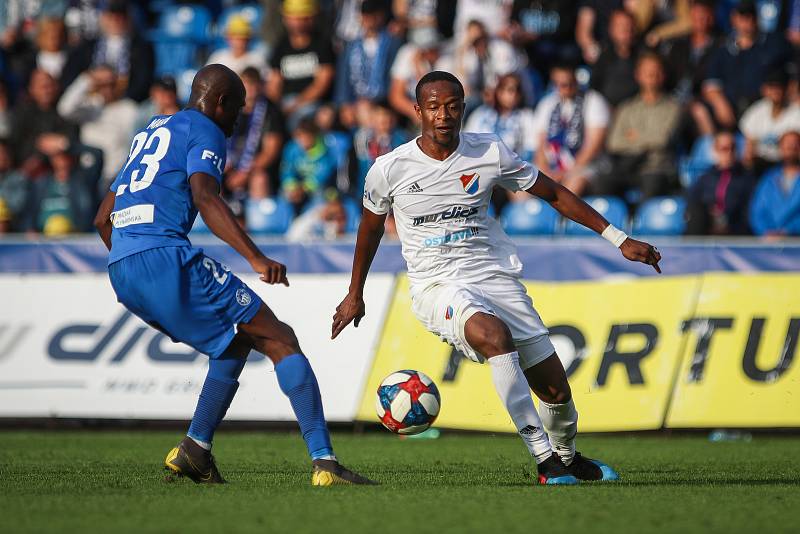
(113, 482)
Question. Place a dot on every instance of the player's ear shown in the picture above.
(418, 111)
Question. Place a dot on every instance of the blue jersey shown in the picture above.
(153, 207)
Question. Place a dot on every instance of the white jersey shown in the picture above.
(441, 207)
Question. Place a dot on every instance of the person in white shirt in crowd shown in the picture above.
(50, 54)
(326, 221)
(414, 59)
(765, 121)
(106, 117)
(571, 126)
(240, 54)
(479, 60)
(412, 14)
(494, 14)
(506, 116)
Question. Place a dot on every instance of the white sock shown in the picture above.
(511, 385)
(561, 422)
(204, 444)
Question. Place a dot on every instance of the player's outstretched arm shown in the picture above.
(572, 207)
(102, 221)
(218, 217)
(352, 309)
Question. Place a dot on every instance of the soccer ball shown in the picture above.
(407, 402)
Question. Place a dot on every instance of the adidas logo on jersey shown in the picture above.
(414, 188)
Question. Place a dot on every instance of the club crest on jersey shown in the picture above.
(448, 313)
(470, 182)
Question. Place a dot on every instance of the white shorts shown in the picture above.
(445, 307)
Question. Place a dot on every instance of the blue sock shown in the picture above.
(216, 396)
(297, 381)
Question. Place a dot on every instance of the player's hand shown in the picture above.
(640, 251)
(351, 309)
(271, 271)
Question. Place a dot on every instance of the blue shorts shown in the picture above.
(185, 294)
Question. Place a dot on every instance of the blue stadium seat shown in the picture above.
(612, 208)
(252, 12)
(660, 216)
(181, 32)
(268, 215)
(530, 217)
(183, 82)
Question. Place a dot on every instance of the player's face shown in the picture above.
(440, 112)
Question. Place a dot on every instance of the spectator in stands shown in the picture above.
(545, 29)
(641, 139)
(50, 51)
(409, 15)
(737, 67)
(254, 149)
(493, 14)
(414, 59)
(347, 26)
(659, 20)
(163, 101)
(118, 46)
(338, 141)
(363, 71)
(775, 207)
(238, 55)
(613, 73)
(591, 28)
(326, 221)
(63, 201)
(377, 135)
(307, 166)
(96, 102)
(717, 202)
(478, 61)
(570, 126)
(765, 121)
(302, 65)
(687, 56)
(13, 186)
(35, 121)
(507, 117)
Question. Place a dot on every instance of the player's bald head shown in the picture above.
(216, 80)
(218, 93)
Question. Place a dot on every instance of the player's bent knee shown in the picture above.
(488, 335)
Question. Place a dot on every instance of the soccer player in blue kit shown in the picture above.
(173, 171)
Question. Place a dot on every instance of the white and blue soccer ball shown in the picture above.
(407, 402)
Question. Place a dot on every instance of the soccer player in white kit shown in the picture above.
(464, 271)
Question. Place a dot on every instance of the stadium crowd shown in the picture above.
(691, 101)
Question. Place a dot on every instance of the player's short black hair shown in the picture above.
(437, 76)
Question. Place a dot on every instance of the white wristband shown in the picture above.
(614, 235)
